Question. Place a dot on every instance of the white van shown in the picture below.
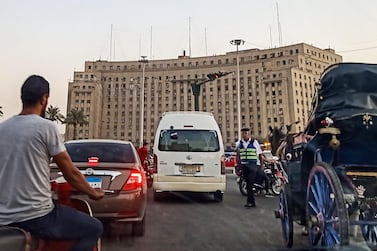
(189, 154)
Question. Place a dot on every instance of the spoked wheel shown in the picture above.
(326, 212)
(285, 215)
(242, 186)
(277, 185)
(369, 232)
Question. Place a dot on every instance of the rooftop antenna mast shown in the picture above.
(140, 46)
(270, 36)
(114, 50)
(279, 26)
(150, 49)
(205, 39)
(190, 36)
(111, 41)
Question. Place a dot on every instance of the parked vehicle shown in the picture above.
(189, 155)
(113, 166)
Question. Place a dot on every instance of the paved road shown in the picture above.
(185, 222)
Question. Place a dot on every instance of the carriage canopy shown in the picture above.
(345, 90)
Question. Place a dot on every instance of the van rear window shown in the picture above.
(188, 141)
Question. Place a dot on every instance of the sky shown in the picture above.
(55, 38)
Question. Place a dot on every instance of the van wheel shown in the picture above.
(218, 196)
(158, 196)
(138, 228)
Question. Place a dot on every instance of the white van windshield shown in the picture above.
(188, 141)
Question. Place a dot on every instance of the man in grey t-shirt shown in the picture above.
(27, 143)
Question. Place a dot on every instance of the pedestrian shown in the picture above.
(143, 153)
(248, 153)
(28, 142)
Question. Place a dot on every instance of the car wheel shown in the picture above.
(218, 196)
(138, 228)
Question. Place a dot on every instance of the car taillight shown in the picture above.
(93, 161)
(154, 163)
(134, 181)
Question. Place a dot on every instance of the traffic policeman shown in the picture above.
(248, 152)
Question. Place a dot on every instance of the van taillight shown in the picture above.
(154, 163)
(222, 163)
(134, 181)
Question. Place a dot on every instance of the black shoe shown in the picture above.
(249, 205)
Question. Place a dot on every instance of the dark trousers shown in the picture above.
(65, 223)
(262, 178)
(249, 173)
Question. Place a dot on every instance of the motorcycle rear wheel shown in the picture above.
(276, 186)
(242, 186)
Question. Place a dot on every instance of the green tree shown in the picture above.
(53, 114)
(75, 117)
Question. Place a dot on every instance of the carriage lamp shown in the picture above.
(334, 143)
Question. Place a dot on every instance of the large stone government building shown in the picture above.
(277, 86)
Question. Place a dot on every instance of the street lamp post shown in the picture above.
(143, 60)
(238, 42)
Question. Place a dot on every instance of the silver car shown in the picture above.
(114, 167)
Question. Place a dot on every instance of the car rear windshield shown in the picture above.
(189, 141)
(106, 152)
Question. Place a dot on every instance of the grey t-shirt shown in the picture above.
(27, 142)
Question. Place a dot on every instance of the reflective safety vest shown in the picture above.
(248, 155)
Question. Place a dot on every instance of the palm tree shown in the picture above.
(53, 114)
(1, 111)
(75, 117)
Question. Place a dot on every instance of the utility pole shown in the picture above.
(143, 60)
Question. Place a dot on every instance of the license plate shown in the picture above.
(95, 182)
(190, 169)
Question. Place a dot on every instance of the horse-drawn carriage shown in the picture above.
(332, 174)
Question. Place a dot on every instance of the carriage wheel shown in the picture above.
(326, 212)
(285, 215)
(369, 232)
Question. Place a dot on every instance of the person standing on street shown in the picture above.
(28, 141)
(143, 154)
(248, 153)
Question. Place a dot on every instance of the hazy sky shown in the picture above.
(55, 38)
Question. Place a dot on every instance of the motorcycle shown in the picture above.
(275, 174)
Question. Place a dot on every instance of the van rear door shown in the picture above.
(188, 152)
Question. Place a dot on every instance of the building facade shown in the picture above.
(276, 88)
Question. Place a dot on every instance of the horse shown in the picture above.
(282, 143)
(276, 138)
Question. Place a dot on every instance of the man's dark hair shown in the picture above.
(33, 90)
